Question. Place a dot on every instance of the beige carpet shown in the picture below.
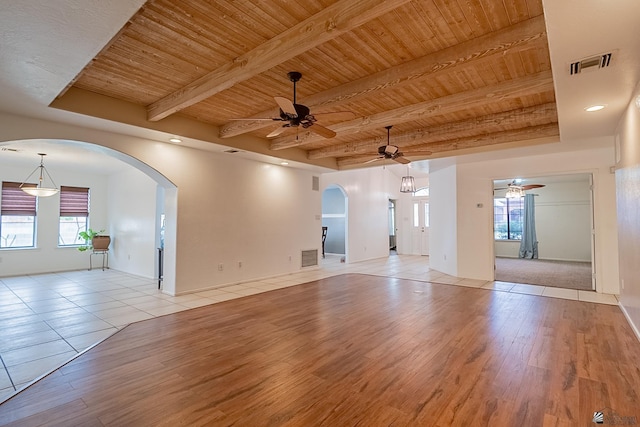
(559, 274)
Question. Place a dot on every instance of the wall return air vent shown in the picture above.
(591, 63)
(309, 258)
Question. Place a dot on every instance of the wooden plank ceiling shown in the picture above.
(446, 74)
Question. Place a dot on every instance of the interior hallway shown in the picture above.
(45, 320)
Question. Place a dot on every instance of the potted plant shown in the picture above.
(99, 242)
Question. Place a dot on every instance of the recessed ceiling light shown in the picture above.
(284, 163)
(175, 140)
(594, 108)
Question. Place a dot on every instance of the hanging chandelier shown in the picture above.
(408, 184)
(41, 189)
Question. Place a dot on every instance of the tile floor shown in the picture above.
(47, 319)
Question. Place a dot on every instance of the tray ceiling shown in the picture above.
(449, 76)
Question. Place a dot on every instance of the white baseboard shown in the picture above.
(633, 326)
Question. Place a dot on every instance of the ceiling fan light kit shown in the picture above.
(514, 192)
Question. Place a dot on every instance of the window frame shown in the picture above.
(74, 203)
(16, 203)
(509, 221)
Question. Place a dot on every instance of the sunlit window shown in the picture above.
(507, 218)
(74, 214)
(18, 217)
(422, 192)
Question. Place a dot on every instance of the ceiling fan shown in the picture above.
(392, 152)
(297, 115)
(514, 185)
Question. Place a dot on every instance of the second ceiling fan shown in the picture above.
(392, 152)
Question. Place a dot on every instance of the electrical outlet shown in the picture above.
(289, 258)
(239, 264)
(621, 280)
(220, 267)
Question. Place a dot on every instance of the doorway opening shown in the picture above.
(393, 227)
(544, 236)
(420, 222)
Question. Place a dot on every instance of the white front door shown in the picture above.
(420, 227)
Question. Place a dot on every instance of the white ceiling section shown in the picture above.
(578, 29)
(46, 43)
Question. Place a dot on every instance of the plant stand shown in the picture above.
(105, 258)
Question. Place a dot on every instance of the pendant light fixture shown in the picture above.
(40, 190)
(408, 184)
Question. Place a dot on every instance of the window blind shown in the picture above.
(15, 201)
(74, 201)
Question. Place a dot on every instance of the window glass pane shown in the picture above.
(392, 218)
(70, 226)
(507, 218)
(500, 224)
(515, 218)
(416, 212)
(422, 192)
(17, 231)
(426, 214)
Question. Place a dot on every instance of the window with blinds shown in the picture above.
(74, 215)
(17, 217)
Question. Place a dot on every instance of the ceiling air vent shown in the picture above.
(232, 151)
(592, 63)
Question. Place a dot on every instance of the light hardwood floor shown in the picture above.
(353, 349)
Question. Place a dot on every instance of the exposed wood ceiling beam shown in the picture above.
(528, 133)
(519, 118)
(325, 25)
(524, 35)
(512, 89)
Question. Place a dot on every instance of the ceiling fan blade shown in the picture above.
(258, 120)
(276, 131)
(322, 131)
(402, 159)
(417, 153)
(532, 186)
(286, 106)
(337, 116)
(372, 160)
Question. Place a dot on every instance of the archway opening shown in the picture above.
(335, 218)
(128, 200)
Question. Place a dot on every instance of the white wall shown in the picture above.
(475, 175)
(563, 223)
(47, 257)
(628, 202)
(443, 206)
(132, 209)
(368, 192)
(228, 210)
